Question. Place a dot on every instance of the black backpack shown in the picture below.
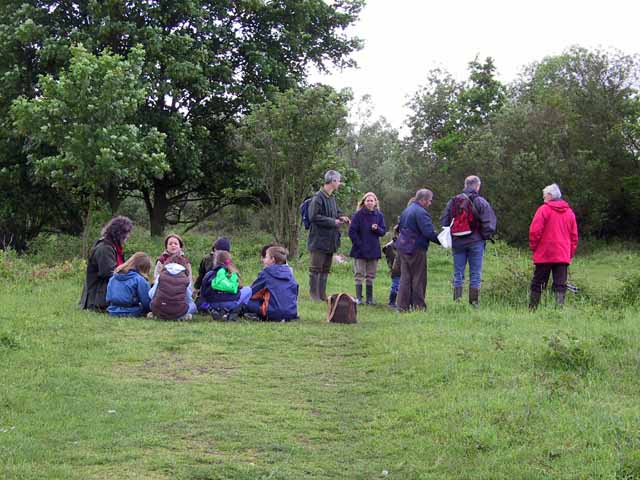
(304, 212)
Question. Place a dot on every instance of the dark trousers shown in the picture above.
(541, 276)
(320, 262)
(413, 280)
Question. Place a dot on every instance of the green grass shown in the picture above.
(451, 393)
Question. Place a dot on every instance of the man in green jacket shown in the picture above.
(324, 234)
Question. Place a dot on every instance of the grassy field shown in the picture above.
(451, 393)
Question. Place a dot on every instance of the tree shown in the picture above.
(288, 143)
(205, 63)
(84, 117)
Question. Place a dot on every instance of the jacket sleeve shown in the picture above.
(573, 234)
(536, 229)
(445, 218)
(315, 214)
(143, 293)
(488, 221)
(425, 225)
(259, 283)
(106, 260)
(382, 228)
(354, 229)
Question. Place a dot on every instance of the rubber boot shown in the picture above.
(314, 279)
(359, 294)
(370, 294)
(534, 300)
(474, 297)
(457, 294)
(322, 286)
(560, 299)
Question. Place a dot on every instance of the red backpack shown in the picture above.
(464, 215)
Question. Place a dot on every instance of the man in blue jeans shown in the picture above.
(468, 246)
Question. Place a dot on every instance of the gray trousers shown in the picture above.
(413, 280)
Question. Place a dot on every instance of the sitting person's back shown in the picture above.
(221, 290)
(128, 289)
(275, 291)
(171, 294)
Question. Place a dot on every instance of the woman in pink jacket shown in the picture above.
(553, 239)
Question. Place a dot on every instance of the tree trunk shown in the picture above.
(157, 209)
(85, 233)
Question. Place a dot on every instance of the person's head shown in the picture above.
(177, 258)
(139, 262)
(173, 244)
(263, 252)
(222, 243)
(424, 197)
(222, 257)
(551, 192)
(117, 230)
(275, 255)
(368, 201)
(332, 180)
(472, 182)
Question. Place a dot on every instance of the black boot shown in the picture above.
(359, 294)
(534, 300)
(322, 286)
(474, 297)
(369, 290)
(457, 294)
(560, 299)
(314, 279)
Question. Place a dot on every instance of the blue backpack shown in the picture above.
(304, 212)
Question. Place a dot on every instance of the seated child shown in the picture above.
(208, 262)
(222, 293)
(171, 294)
(393, 262)
(173, 245)
(275, 291)
(128, 288)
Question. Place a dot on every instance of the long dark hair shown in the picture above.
(117, 229)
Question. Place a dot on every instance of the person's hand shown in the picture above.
(346, 220)
(374, 227)
(338, 222)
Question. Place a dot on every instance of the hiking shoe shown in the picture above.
(150, 315)
(217, 314)
(252, 316)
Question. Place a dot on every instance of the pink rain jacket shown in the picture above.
(553, 234)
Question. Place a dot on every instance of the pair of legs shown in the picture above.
(540, 279)
(393, 291)
(413, 280)
(365, 271)
(319, 269)
(473, 255)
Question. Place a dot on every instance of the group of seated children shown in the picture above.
(218, 288)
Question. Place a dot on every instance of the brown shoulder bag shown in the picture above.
(342, 308)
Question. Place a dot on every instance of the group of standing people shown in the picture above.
(472, 221)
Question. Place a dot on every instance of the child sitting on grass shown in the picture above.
(173, 245)
(208, 262)
(171, 294)
(393, 262)
(222, 293)
(128, 288)
(274, 294)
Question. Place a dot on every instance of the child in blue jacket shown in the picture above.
(128, 289)
(275, 291)
(223, 305)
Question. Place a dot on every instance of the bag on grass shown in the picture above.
(342, 308)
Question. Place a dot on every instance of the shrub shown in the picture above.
(567, 352)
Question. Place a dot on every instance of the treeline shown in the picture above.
(571, 119)
(188, 107)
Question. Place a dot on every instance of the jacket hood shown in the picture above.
(559, 206)
(279, 272)
(125, 276)
(174, 268)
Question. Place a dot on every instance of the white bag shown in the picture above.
(444, 237)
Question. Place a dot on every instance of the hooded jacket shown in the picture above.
(553, 234)
(170, 293)
(127, 294)
(211, 296)
(283, 292)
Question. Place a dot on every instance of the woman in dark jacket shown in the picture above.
(367, 226)
(106, 254)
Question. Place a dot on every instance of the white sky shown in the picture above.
(404, 39)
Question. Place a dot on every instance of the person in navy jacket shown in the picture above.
(128, 288)
(416, 231)
(275, 291)
(366, 228)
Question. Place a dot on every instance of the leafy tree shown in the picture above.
(288, 143)
(85, 118)
(205, 63)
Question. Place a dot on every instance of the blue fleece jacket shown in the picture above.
(417, 219)
(127, 295)
(365, 241)
(279, 280)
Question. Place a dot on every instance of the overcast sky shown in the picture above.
(404, 39)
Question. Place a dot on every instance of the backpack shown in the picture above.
(304, 213)
(223, 283)
(464, 216)
(342, 308)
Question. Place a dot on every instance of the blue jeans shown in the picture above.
(395, 284)
(472, 254)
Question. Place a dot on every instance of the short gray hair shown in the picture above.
(553, 190)
(472, 181)
(331, 175)
(423, 194)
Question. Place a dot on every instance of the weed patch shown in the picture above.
(565, 351)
